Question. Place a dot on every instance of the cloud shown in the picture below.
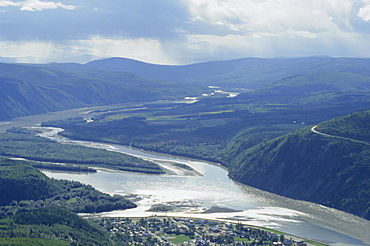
(36, 5)
(5, 3)
(273, 15)
(30, 51)
(185, 31)
(285, 44)
(144, 49)
(150, 50)
(364, 12)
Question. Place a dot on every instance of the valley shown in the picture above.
(266, 215)
(263, 133)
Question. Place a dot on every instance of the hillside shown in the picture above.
(34, 89)
(353, 126)
(19, 181)
(251, 73)
(18, 98)
(37, 210)
(329, 170)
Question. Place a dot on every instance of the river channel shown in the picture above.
(195, 194)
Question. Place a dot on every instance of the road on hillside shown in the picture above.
(313, 129)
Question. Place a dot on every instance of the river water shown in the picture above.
(195, 194)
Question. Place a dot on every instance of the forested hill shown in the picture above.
(333, 170)
(24, 188)
(250, 73)
(33, 89)
(354, 126)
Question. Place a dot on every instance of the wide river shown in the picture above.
(195, 194)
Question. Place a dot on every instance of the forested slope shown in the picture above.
(333, 171)
(51, 226)
(37, 210)
(19, 181)
(34, 89)
(19, 98)
(24, 188)
(354, 126)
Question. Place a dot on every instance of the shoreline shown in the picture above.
(295, 238)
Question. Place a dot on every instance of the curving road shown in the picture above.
(313, 129)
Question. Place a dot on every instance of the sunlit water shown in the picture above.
(214, 188)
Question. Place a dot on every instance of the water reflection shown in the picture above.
(216, 189)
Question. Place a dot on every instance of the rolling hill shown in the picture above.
(332, 169)
(250, 73)
(31, 89)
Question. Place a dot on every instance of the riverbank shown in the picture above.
(168, 167)
(214, 188)
(194, 231)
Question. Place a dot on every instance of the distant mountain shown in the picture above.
(329, 166)
(58, 86)
(193, 73)
(251, 73)
(33, 89)
(321, 87)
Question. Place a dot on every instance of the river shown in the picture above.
(195, 194)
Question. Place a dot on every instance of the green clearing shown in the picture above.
(239, 239)
(72, 200)
(178, 238)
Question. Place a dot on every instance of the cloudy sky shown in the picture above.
(182, 31)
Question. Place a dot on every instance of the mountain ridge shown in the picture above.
(250, 73)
